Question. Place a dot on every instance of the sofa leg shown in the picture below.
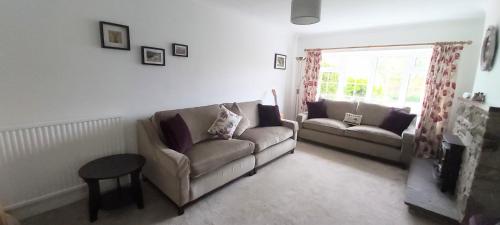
(180, 210)
(293, 151)
(252, 172)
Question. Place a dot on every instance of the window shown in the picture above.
(389, 77)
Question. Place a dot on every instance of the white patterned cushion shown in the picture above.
(352, 119)
(225, 124)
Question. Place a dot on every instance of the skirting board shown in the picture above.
(56, 200)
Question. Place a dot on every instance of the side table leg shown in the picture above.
(137, 189)
(94, 199)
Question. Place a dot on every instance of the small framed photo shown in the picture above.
(153, 56)
(115, 36)
(280, 61)
(179, 50)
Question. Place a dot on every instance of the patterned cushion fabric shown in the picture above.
(269, 115)
(397, 121)
(316, 110)
(176, 134)
(353, 119)
(375, 135)
(210, 155)
(326, 125)
(225, 124)
(244, 122)
(338, 109)
(374, 114)
(264, 137)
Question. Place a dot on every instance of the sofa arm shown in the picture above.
(292, 125)
(408, 143)
(301, 117)
(174, 162)
(166, 168)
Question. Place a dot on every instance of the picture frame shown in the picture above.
(114, 36)
(180, 50)
(280, 61)
(152, 56)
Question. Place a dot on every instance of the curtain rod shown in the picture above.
(395, 45)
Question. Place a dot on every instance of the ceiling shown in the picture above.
(359, 14)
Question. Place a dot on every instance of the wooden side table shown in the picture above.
(113, 167)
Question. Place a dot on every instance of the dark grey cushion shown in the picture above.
(264, 137)
(210, 155)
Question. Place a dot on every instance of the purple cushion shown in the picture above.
(316, 110)
(397, 121)
(176, 133)
(269, 115)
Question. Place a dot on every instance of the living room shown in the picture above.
(277, 101)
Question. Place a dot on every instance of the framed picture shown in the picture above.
(280, 61)
(153, 56)
(179, 50)
(114, 36)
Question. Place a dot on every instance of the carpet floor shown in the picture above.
(316, 185)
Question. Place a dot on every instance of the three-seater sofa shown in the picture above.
(367, 138)
(211, 162)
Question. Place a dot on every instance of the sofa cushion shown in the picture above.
(177, 136)
(374, 114)
(374, 134)
(316, 109)
(264, 137)
(225, 124)
(269, 115)
(249, 109)
(210, 155)
(326, 125)
(397, 121)
(338, 109)
(198, 120)
(244, 122)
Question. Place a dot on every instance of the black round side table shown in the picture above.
(113, 167)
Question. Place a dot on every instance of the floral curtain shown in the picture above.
(311, 76)
(438, 99)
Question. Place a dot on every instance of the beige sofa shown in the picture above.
(366, 138)
(211, 163)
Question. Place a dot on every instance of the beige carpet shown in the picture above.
(316, 185)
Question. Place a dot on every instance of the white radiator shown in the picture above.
(40, 162)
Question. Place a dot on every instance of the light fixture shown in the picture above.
(306, 12)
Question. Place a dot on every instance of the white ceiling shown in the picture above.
(358, 14)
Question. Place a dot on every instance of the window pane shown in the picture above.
(388, 76)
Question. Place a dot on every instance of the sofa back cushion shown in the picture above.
(374, 114)
(198, 120)
(338, 109)
(249, 109)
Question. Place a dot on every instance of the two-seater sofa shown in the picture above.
(211, 162)
(367, 138)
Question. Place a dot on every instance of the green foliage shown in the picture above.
(356, 87)
(329, 83)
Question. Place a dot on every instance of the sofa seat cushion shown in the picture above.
(264, 137)
(375, 135)
(326, 125)
(210, 155)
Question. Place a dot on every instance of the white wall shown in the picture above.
(460, 30)
(52, 67)
(488, 82)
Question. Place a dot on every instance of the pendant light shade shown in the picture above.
(306, 12)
